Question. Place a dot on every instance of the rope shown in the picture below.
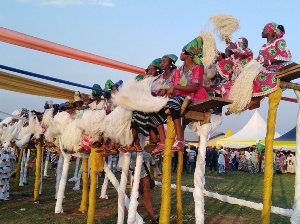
(232, 200)
(103, 194)
(274, 99)
(115, 183)
(165, 208)
(36, 75)
(296, 214)
(85, 188)
(199, 179)
(122, 188)
(37, 172)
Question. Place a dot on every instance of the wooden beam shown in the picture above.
(203, 117)
(289, 72)
(288, 85)
(207, 104)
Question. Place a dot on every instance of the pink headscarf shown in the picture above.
(273, 28)
(239, 43)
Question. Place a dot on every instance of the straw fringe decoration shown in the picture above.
(209, 48)
(23, 137)
(224, 24)
(209, 73)
(92, 122)
(241, 91)
(136, 95)
(48, 117)
(117, 126)
(71, 138)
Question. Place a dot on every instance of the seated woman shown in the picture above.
(225, 67)
(242, 55)
(273, 55)
(187, 81)
(141, 122)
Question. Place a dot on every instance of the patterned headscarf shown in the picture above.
(77, 96)
(95, 92)
(24, 111)
(139, 77)
(195, 48)
(273, 28)
(118, 84)
(240, 42)
(108, 85)
(156, 62)
(173, 57)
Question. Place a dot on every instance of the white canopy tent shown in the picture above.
(254, 131)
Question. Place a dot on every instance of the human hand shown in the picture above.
(162, 92)
(170, 92)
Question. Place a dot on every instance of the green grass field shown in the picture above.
(22, 209)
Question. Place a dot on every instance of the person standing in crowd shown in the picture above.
(232, 160)
(185, 159)
(214, 159)
(191, 160)
(221, 161)
(208, 156)
(7, 160)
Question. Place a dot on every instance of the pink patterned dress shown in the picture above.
(242, 56)
(194, 75)
(225, 70)
(265, 82)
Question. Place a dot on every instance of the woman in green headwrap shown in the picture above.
(187, 81)
(163, 83)
(97, 102)
(141, 122)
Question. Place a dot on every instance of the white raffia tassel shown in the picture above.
(241, 91)
(92, 122)
(117, 126)
(209, 73)
(225, 25)
(71, 137)
(209, 48)
(136, 95)
(48, 117)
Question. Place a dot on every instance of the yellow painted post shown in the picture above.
(274, 99)
(178, 188)
(37, 172)
(165, 208)
(96, 165)
(19, 169)
(85, 189)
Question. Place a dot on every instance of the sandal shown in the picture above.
(160, 148)
(134, 148)
(123, 149)
(150, 147)
(176, 146)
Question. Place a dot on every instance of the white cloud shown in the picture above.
(106, 3)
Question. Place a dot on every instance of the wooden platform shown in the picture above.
(207, 104)
(200, 111)
(289, 73)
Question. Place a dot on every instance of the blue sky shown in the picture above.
(134, 32)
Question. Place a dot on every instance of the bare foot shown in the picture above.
(254, 104)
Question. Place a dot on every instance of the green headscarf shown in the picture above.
(156, 63)
(108, 85)
(195, 48)
(139, 77)
(97, 93)
(173, 57)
